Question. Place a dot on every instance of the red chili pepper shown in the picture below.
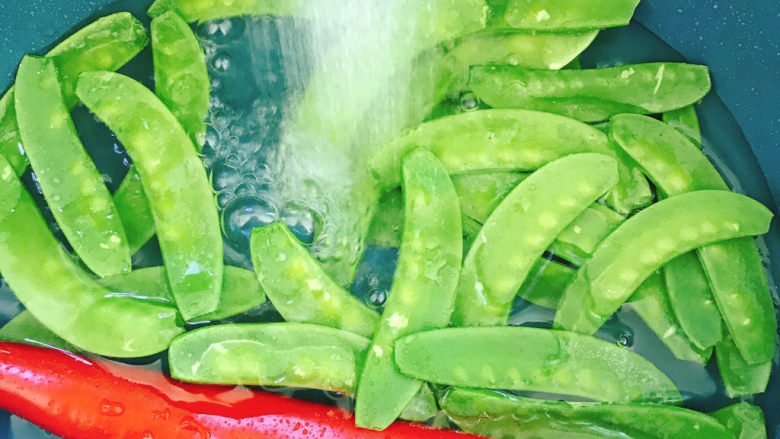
(76, 397)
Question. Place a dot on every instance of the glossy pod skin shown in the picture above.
(740, 378)
(78, 309)
(24, 328)
(520, 229)
(180, 76)
(743, 419)
(592, 95)
(106, 44)
(656, 235)
(69, 180)
(133, 207)
(546, 282)
(298, 287)
(686, 121)
(568, 15)
(735, 270)
(480, 411)
(423, 290)
(275, 354)
(505, 140)
(533, 359)
(240, 290)
(175, 181)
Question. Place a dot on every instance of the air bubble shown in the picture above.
(225, 177)
(244, 214)
(377, 297)
(223, 198)
(468, 102)
(223, 31)
(625, 340)
(244, 190)
(221, 62)
(304, 222)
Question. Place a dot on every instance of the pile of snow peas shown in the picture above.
(579, 190)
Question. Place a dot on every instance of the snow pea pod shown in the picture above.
(240, 289)
(505, 140)
(743, 419)
(174, 180)
(592, 95)
(533, 359)
(78, 310)
(206, 10)
(71, 184)
(134, 211)
(180, 77)
(520, 229)
(482, 410)
(105, 44)
(422, 407)
(545, 284)
(579, 240)
(24, 328)
(275, 354)
(298, 287)
(568, 15)
(385, 228)
(740, 377)
(651, 303)
(480, 192)
(736, 273)
(685, 121)
(423, 290)
(648, 240)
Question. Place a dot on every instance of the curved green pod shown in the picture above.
(478, 411)
(568, 15)
(743, 419)
(134, 211)
(69, 180)
(533, 359)
(546, 282)
(480, 192)
(174, 180)
(423, 290)
(651, 303)
(180, 77)
(108, 43)
(592, 95)
(520, 229)
(735, 271)
(298, 287)
(240, 289)
(275, 354)
(206, 10)
(78, 310)
(648, 240)
(24, 328)
(739, 377)
(686, 121)
(579, 240)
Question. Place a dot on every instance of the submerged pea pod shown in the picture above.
(423, 290)
(743, 419)
(533, 359)
(24, 328)
(568, 15)
(180, 77)
(298, 287)
(520, 229)
(482, 411)
(545, 284)
(686, 121)
(579, 240)
(735, 271)
(105, 44)
(592, 95)
(648, 240)
(134, 211)
(175, 181)
(740, 377)
(78, 310)
(69, 180)
(275, 354)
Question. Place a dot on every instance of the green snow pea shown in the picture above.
(480, 192)
(647, 241)
(520, 229)
(276, 354)
(480, 411)
(651, 303)
(134, 211)
(740, 377)
(568, 15)
(691, 300)
(546, 282)
(423, 290)
(105, 44)
(745, 420)
(174, 180)
(298, 287)
(592, 95)
(736, 273)
(207, 10)
(78, 309)
(180, 77)
(579, 240)
(422, 407)
(685, 121)
(24, 328)
(533, 359)
(71, 184)
(240, 289)
(471, 229)
(506, 140)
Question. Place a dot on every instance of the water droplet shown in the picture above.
(244, 214)
(111, 408)
(468, 102)
(626, 340)
(189, 428)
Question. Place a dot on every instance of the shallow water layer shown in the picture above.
(257, 75)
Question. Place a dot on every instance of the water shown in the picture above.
(269, 161)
